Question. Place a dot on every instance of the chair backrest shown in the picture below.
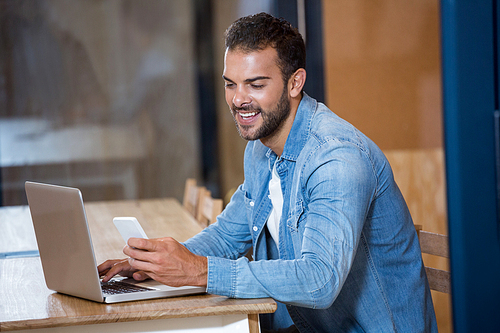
(191, 196)
(437, 245)
(208, 208)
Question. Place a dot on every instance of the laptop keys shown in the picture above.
(119, 287)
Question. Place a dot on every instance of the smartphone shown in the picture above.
(129, 227)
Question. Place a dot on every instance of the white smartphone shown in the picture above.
(129, 227)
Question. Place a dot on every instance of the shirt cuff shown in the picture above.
(221, 278)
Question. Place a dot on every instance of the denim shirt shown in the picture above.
(348, 258)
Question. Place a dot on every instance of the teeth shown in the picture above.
(249, 114)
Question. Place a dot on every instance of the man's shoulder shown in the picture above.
(315, 121)
(326, 124)
(329, 132)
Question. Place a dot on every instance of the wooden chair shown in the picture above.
(437, 245)
(191, 196)
(208, 208)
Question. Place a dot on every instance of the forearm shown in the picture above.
(210, 243)
(305, 282)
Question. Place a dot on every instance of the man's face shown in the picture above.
(256, 93)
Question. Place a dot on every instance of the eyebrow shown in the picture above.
(253, 79)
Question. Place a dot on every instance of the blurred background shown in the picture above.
(124, 99)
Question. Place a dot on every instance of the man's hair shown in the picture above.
(257, 32)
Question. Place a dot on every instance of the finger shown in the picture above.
(141, 244)
(133, 252)
(140, 265)
(140, 276)
(104, 267)
(138, 254)
(121, 267)
(127, 250)
(103, 273)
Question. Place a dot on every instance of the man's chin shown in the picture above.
(246, 132)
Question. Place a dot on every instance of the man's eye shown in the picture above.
(228, 85)
(257, 86)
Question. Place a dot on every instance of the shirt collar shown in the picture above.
(300, 129)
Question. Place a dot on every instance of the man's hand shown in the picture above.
(164, 260)
(110, 268)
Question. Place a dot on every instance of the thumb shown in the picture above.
(140, 276)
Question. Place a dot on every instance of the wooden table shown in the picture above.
(27, 304)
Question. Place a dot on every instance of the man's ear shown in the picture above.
(296, 82)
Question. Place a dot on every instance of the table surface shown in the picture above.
(27, 303)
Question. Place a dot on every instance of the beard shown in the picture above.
(272, 120)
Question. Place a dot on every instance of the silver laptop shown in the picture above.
(67, 255)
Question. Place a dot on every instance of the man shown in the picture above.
(333, 240)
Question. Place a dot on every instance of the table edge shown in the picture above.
(268, 306)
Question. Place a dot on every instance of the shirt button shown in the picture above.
(252, 203)
(255, 228)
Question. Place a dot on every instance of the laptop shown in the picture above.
(67, 255)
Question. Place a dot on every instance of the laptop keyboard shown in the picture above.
(118, 287)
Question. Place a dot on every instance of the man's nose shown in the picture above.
(241, 97)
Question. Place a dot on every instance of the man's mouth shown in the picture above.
(247, 115)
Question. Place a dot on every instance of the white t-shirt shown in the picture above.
(276, 196)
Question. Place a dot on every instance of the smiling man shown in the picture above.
(333, 240)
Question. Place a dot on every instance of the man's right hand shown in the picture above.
(110, 268)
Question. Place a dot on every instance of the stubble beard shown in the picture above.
(272, 120)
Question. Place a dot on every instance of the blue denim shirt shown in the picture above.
(348, 258)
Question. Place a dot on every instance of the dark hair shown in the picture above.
(257, 32)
